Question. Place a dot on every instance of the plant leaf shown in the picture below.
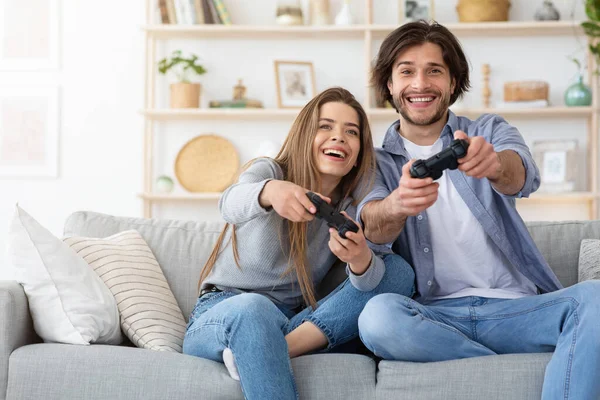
(592, 9)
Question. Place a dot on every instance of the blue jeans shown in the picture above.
(566, 322)
(254, 328)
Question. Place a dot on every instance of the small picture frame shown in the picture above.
(35, 47)
(29, 131)
(414, 10)
(557, 162)
(295, 83)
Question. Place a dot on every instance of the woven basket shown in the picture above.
(482, 10)
(207, 163)
(526, 91)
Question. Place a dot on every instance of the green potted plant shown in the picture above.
(184, 93)
(591, 27)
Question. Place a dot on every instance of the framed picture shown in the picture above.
(295, 83)
(414, 10)
(29, 128)
(29, 35)
(557, 162)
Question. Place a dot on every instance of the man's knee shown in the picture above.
(379, 319)
(587, 293)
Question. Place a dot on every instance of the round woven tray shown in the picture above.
(207, 163)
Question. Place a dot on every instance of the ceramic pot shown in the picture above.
(578, 94)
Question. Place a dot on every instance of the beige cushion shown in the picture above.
(150, 316)
(589, 260)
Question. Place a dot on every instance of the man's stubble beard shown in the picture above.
(440, 112)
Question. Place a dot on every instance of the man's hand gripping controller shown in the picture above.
(435, 165)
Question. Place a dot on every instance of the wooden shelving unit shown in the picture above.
(367, 33)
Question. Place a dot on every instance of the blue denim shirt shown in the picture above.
(496, 212)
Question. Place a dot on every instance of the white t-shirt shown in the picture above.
(467, 262)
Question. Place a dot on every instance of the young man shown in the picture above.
(483, 286)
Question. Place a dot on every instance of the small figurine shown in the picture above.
(238, 100)
(486, 92)
(547, 12)
(239, 91)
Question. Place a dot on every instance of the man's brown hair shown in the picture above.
(414, 34)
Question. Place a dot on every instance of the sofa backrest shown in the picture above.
(182, 247)
(559, 243)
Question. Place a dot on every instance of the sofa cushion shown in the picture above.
(150, 316)
(180, 247)
(69, 303)
(589, 260)
(116, 372)
(559, 243)
(511, 376)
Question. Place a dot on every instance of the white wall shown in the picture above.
(102, 92)
(101, 130)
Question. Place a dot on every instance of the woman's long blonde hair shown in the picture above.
(298, 164)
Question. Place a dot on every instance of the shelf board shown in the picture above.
(505, 112)
(509, 28)
(220, 113)
(257, 31)
(267, 113)
(179, 196)
(566, 197)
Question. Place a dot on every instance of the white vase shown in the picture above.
(345, 17)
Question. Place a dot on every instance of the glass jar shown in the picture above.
(289, 12)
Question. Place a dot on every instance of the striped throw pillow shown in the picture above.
(150, 315)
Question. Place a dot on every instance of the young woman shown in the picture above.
(257, 306)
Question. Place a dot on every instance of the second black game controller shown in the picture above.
(334, 219)
(435, 165)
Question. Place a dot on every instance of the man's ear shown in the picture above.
(452, 86)
(390, 86)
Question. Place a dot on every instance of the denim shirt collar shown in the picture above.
(393, 142)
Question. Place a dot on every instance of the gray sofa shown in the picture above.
(33, 370)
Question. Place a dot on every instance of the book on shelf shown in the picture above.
(164, 13)
(222, 12)
(213, 12)
(170, 4)
(208, 15)
(185, 10)
(199, 8)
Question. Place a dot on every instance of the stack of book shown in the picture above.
(190, 12)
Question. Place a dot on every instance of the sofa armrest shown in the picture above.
(16, 326)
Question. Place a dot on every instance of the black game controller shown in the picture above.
(435, 165)
(334, 219)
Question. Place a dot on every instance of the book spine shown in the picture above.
(213, 12)
(199, 11)
(222, 12)
(171, 11)
(164, 14)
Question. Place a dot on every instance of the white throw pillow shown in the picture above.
(68, 302)
(589, 259)
(150, 315)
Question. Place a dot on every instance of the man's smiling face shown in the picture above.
(421, 85)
